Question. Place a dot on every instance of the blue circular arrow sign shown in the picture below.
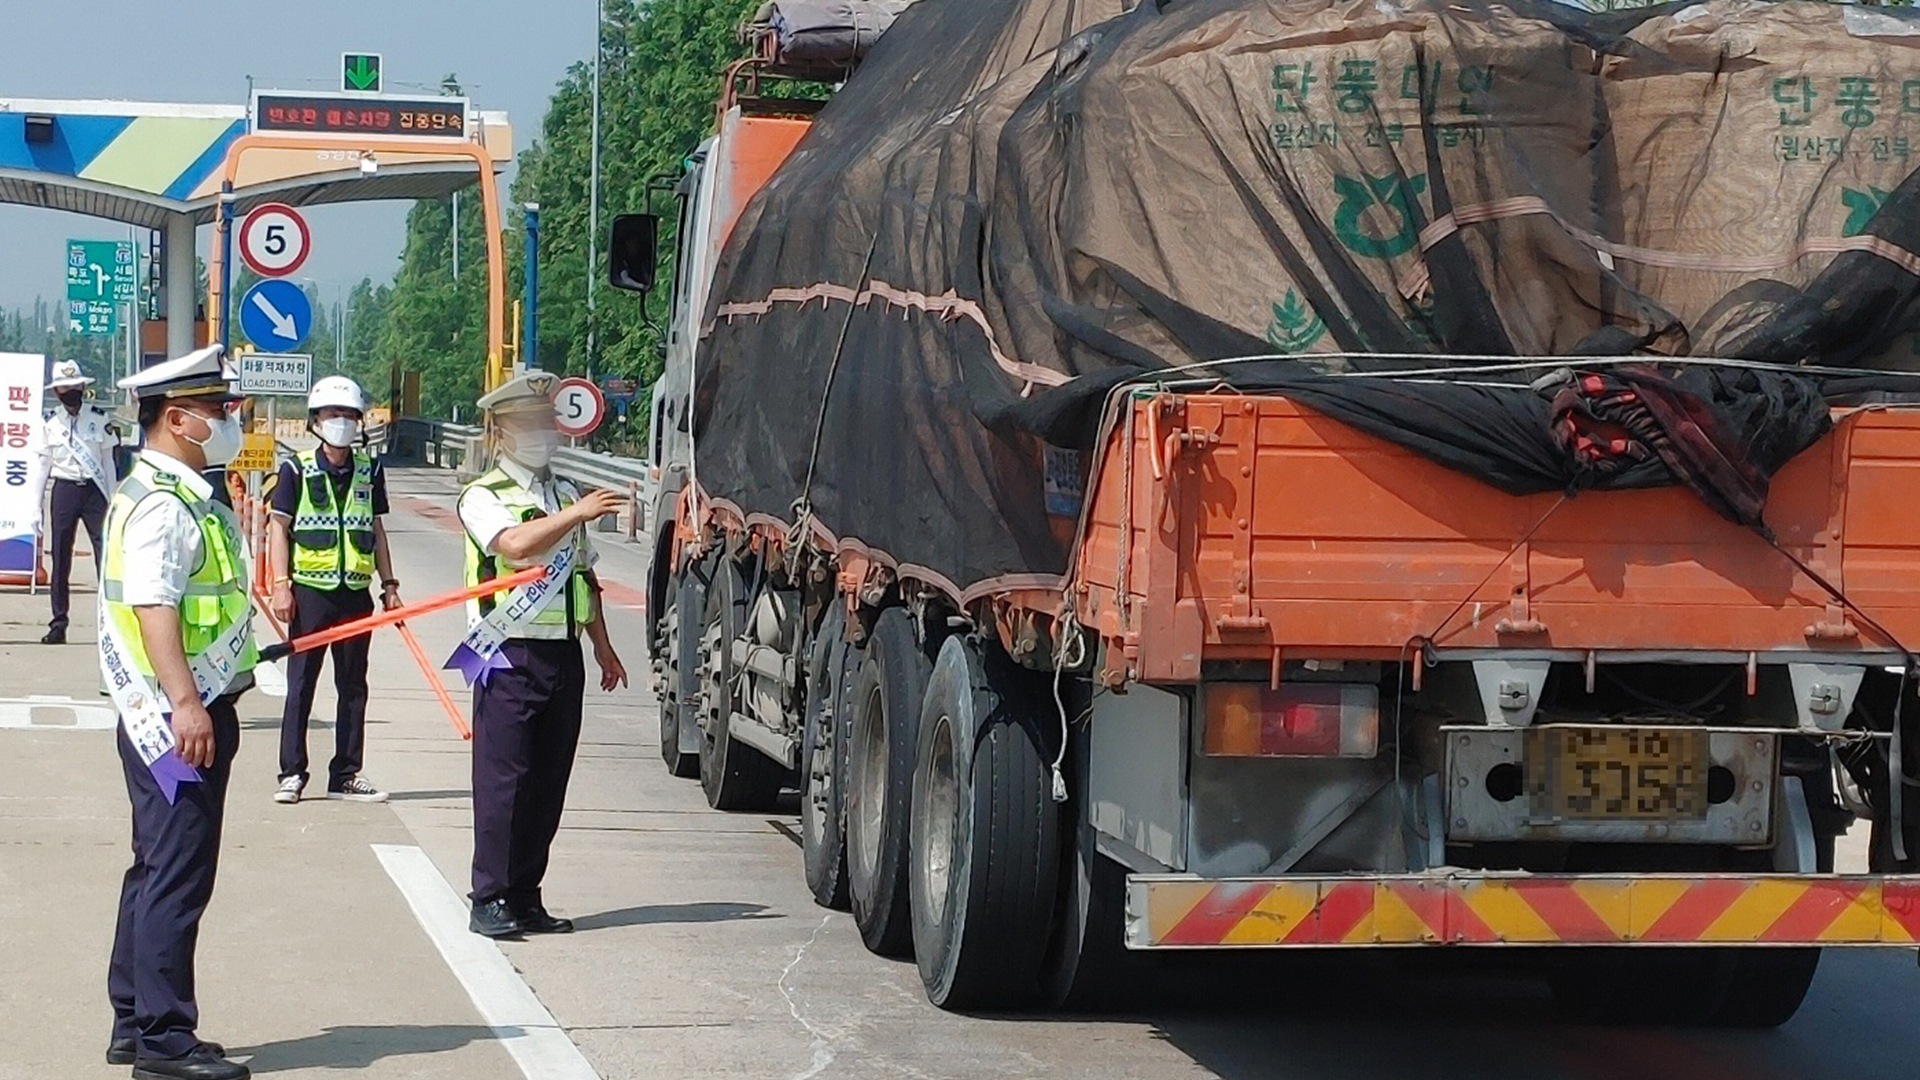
(276, 315)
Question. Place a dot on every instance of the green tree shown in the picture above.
(661, 63)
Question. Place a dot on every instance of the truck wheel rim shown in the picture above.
(940, 810)
(867, 821)
(713, 698)
(820, 779)
(670, 676)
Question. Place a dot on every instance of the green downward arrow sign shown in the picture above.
(363, 72)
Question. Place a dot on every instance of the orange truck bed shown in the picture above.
(1255, 529)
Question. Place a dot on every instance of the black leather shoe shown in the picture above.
(123, 1051)
(535, 919)
(495, 919)
(201, 1064)
(54, 637)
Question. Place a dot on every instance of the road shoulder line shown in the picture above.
(523, 1026)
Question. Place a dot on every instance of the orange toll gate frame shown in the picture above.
(489, 204)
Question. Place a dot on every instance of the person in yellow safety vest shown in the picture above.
(522, 656)
(327, 545)
(176, 651)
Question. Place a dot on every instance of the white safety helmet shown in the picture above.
(337, 391)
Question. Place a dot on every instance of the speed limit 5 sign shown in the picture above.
(274, 240)
(579, 407)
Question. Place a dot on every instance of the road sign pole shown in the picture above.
(530, 290)
(226, 265)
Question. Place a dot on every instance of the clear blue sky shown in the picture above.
(509, 54)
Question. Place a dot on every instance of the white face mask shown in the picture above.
(534, 449)
(222, 443)
(341, 431)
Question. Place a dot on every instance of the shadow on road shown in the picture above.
(360, 1046)
(652, 914)
(431, 795)
(272, 723)
(1350, 1017)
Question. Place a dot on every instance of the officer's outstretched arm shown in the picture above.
(192, 727)
(537, 536)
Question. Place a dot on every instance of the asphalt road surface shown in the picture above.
(336, 944)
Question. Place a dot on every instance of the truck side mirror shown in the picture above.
(633, 252)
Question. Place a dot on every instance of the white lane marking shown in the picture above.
(45, 712)
(525, 1028)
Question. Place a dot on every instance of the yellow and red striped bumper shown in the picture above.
(1165, 912)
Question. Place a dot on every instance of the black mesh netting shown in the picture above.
(1017, 205)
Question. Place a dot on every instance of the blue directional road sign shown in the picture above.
(275, 315)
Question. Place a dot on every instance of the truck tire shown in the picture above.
(680, 683)
(1708, 987)
(734, 775)
(985, 836)
(1088, 966)
(1766, 988)
(823, 761)
(887, 695)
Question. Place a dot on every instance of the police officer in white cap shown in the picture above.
(176, 651)
(76, 452)
(522, 653)
(328, 546)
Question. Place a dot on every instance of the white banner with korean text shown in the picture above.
(22, 378)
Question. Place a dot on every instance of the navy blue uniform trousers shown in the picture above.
(315, 610)
(72, 503)
(526, 727)
(176, 851)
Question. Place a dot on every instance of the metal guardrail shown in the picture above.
(462, 448)
(601, 470)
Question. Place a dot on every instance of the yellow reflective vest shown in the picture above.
(562, 619)
(216, 593)
(333, 537)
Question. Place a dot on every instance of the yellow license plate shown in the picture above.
(1617, 773)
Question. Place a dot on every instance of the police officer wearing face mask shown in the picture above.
(328, 545)
(176, 651)
(521, 653)
(77, 453)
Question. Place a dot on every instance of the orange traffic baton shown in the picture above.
(378, 619)
(433, 680)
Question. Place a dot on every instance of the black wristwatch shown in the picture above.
(390, 583)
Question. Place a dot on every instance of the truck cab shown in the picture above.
(755, 133)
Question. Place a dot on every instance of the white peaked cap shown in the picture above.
(67, 375)
(532, 392)
(197, 374)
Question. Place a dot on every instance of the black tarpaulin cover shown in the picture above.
(1016, 205)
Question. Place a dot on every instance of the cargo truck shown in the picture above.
(1299, 680)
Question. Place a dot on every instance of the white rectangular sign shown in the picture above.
(275, 373)
(22, 378)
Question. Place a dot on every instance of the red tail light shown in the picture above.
(1297, 720)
